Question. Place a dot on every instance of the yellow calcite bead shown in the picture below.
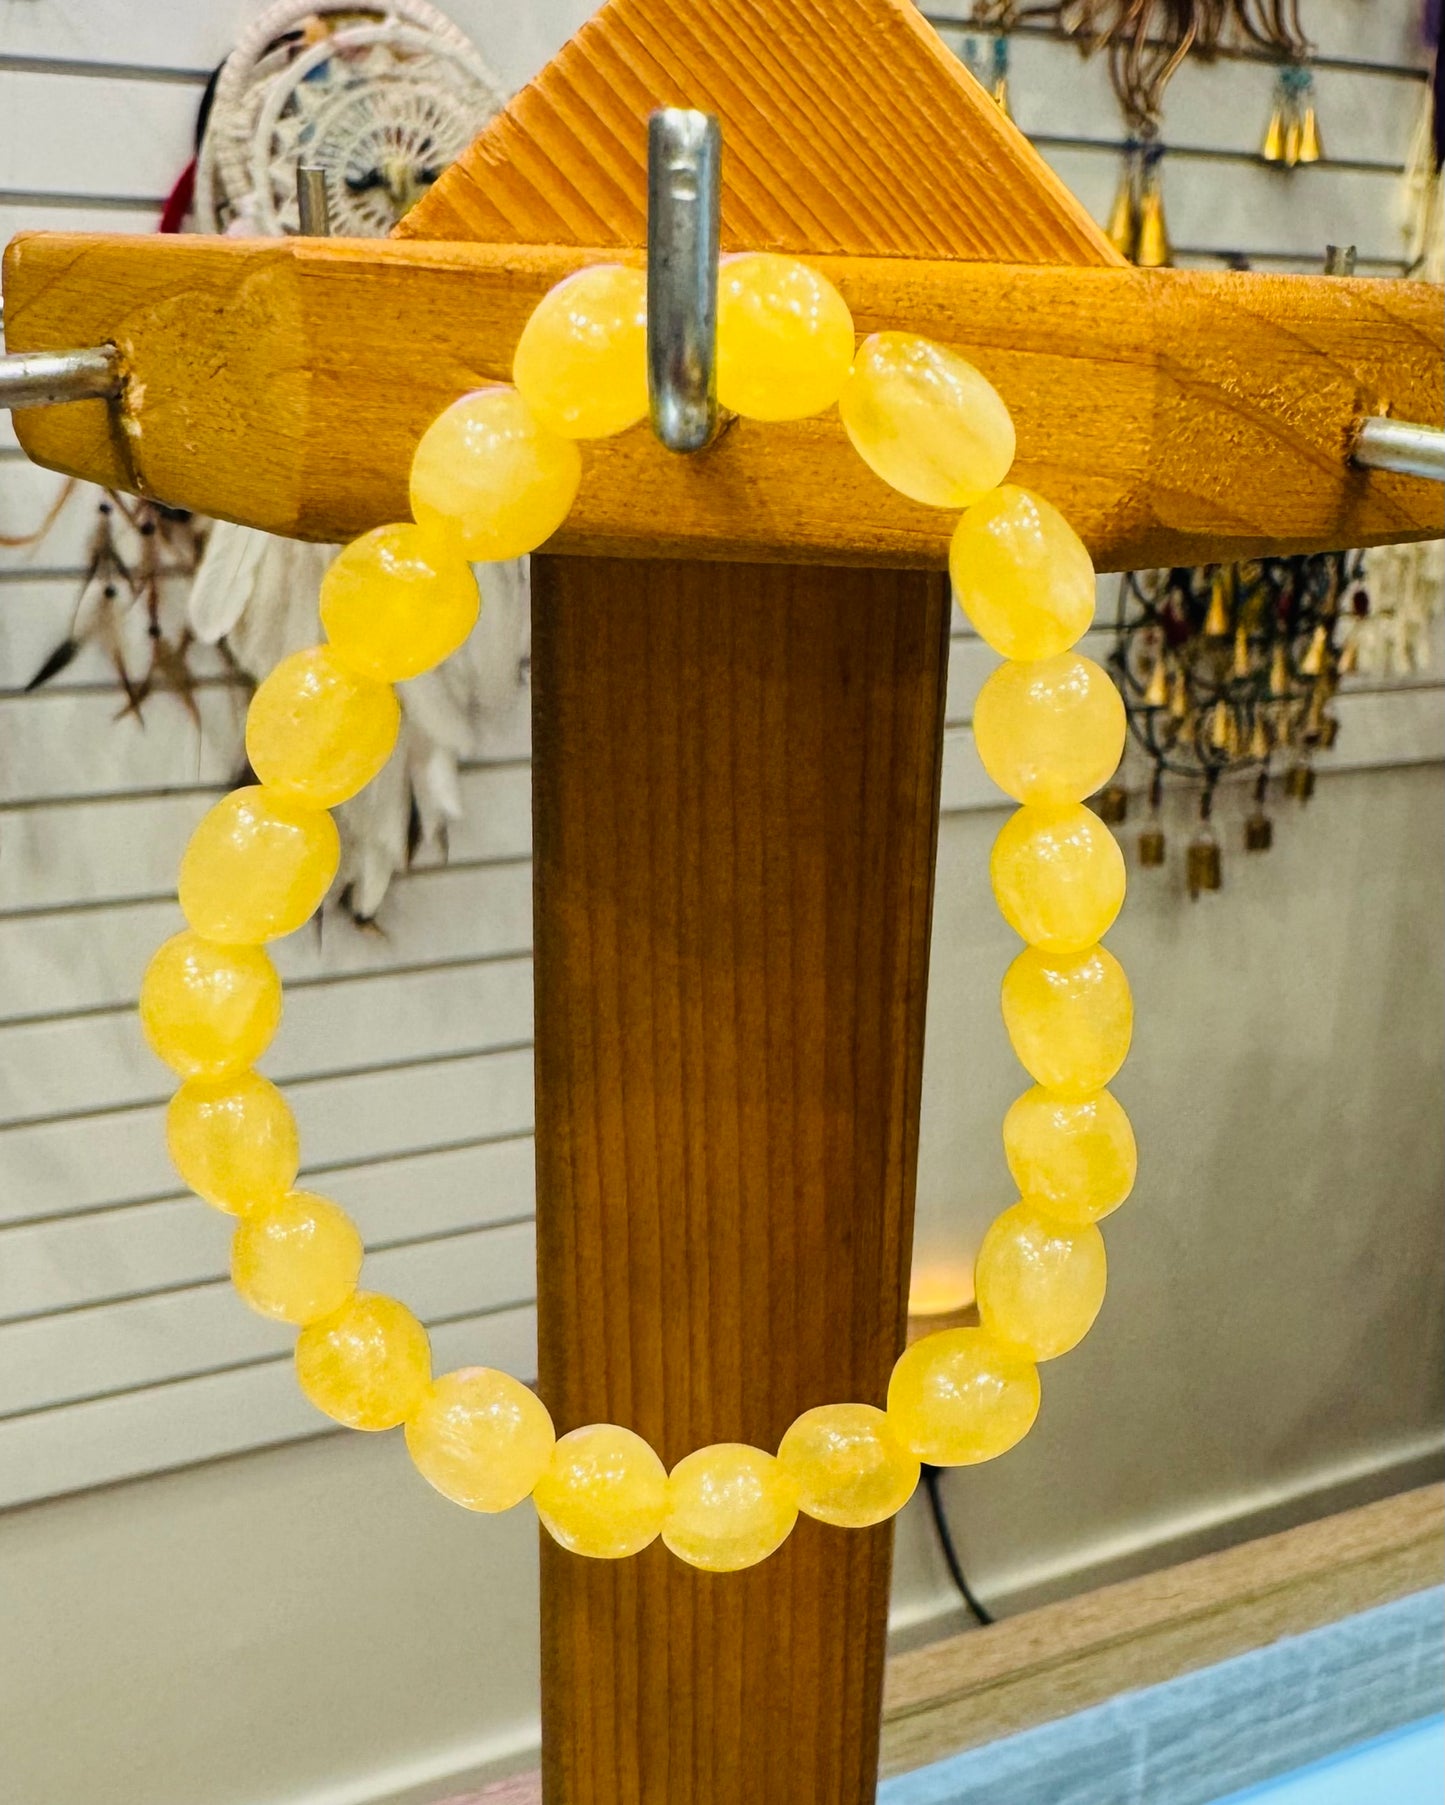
(1040, 1285)
(367, 1365)
(581, 362)
(921, 417)
(257, 867)
(848, 1465)
(233, 1140)
(396, 601)
(960, 1397)
(1070, 1017)
(1076, 1161)
(297, 1259)
(603, 1493)
(209, 1010)
(480, 1437)
(488, 473)
(784, 337)
(731, 1507)
(1021, 575)
(1058, 876)
(318, 732)
(1052, 731)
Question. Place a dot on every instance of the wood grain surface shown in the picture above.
(735, 792)
(847, 126)
(1174, 416)
(1044, 1664)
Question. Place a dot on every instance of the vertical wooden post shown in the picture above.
(736, 779)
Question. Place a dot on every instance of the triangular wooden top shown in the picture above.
(848, 126)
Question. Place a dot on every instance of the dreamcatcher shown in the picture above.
(382, 99)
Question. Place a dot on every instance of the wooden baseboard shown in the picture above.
(1044, 1664)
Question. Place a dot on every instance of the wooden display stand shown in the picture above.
(736, 763)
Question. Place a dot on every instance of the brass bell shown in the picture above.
(1204, 868)
(1112, 805)
(1299, 782)
(1151, 847)
(1258, 833)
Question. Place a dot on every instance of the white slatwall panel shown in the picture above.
(406, 1049)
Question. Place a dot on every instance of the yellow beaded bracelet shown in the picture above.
(493, 477)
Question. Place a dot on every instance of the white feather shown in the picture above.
(224, 580)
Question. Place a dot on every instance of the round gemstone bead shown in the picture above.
(489, 474)
(257, 867)
(960, 1397)
(1052, 731)
(926, 421)
(1058, 876)
(297, 1259)
(1070, 1018)
(848, 1465)
(581, 362)
(367, 1365)
(209, 1010)
(396, 601)
(1074, 1161)
(233, 1140)
(603, 1493)
(1021, 575)
(480, 1437)
(784, 337)
(317, 732)
(1040, 1285)
(731, 1507)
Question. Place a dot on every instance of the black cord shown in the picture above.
(931, 1484)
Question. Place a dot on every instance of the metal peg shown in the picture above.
(684, 200)
(1339, 260)
(1402, 447)
(39, 378)
(313, 201)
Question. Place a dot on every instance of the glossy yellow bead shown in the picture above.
(1039, 1284)
(209, 1010)
(257, 867)
(784, 337)
(480, 1437)
(1051, 731)
(1070, 1017)
(1021, 575)
(297, 1259)
(960, 1397)
(603, 1493)
(1075, 1161)
(1058, 876)
(233, 1140)
(921, 417)
(318, 732)
(490, 475)
(731, 1506)
(581, 362)
(396, 601)
(848, 1465)
(367, 1365)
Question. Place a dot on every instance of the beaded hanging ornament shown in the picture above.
(492, 478)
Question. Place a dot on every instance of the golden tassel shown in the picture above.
(1259, 738)
(1293, 137)
(1279, 671)
(1000, 95)
(1241, 652)
(1216, 622)
(1156, 692)
(1313, 661)
(1179, 696)
(1123, 227)
(1310, 148)
(1153, 250)
(1272, 150)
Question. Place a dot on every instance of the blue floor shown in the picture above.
(1407, 1768)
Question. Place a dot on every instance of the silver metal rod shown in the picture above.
(1399, 446)
(684, 203)
(313, 201)
(39, 378)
